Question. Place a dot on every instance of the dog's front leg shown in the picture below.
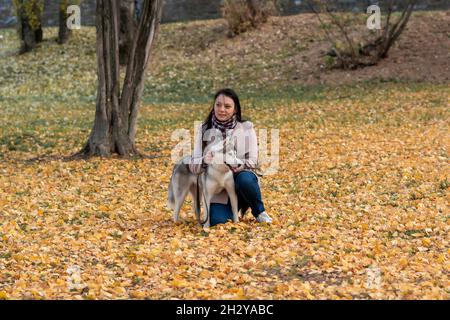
(207, 195)
(207, 207)
(229, 186)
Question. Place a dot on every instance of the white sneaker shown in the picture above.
(264, 217)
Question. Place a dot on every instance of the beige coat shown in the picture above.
(245, 144)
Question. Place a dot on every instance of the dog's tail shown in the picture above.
(171, 197)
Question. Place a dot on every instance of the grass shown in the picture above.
(37, 125)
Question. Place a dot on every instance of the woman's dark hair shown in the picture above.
(227, 92)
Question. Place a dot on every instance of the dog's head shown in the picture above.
(225, 152)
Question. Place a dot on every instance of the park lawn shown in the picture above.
(360, 201)
(362, 189)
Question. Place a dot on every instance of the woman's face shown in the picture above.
(224, 108)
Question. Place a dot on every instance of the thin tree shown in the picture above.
(115, 123)
(392, 31)
(29, 25)
(349, 52)
(64, 32)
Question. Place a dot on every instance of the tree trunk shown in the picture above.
(380, 47)
(128, 27)
(64, 32)
(374, 49)
(396, 30)
(115, 121)
(29, 23)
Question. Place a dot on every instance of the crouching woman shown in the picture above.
(225, 119)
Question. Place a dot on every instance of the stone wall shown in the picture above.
(181, 10)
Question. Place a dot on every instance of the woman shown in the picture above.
(225, 118)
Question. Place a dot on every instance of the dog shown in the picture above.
(217, 176)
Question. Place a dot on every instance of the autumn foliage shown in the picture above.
(360, 201)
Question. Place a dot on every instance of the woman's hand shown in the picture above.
(238, 169)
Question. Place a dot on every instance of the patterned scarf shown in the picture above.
(223, 126)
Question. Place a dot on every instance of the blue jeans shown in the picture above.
(249, 196)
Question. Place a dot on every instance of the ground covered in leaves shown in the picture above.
(360, 201)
